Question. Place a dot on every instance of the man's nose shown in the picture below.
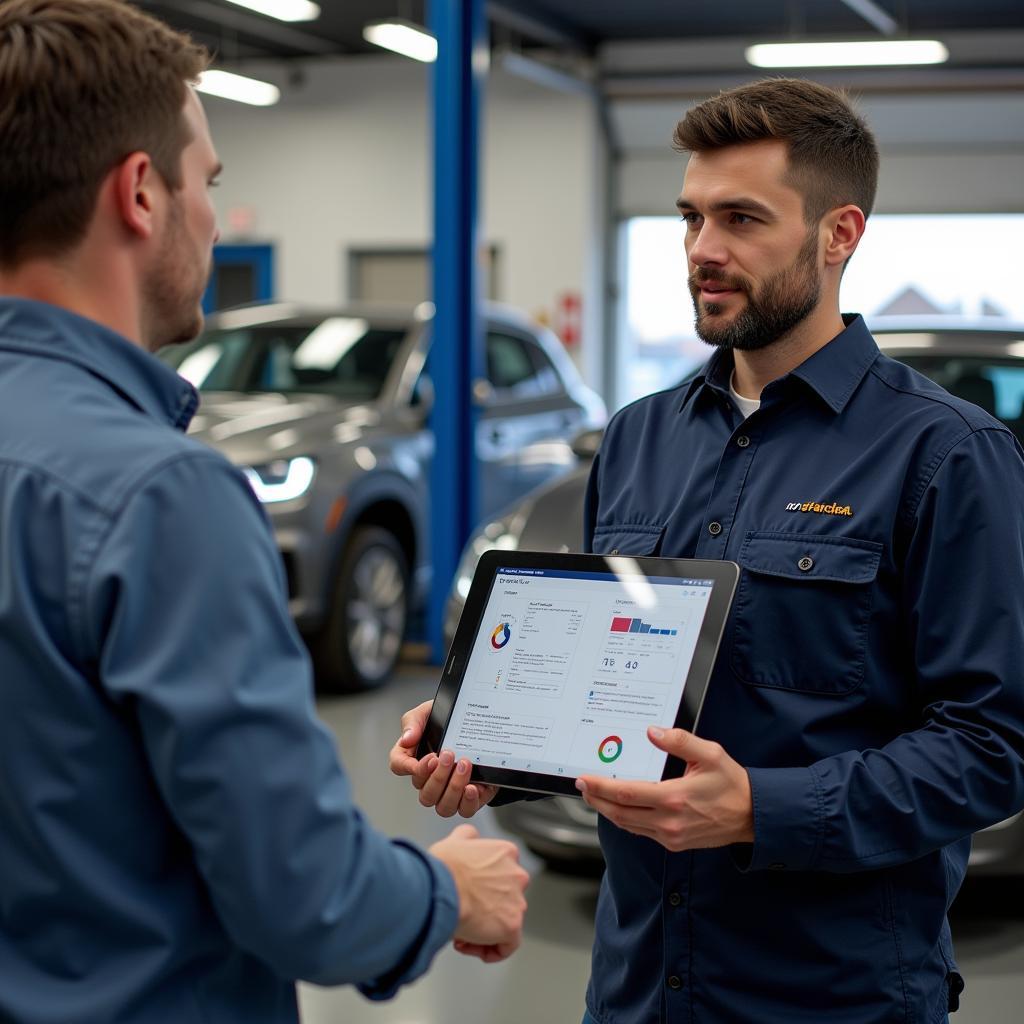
(708, 248)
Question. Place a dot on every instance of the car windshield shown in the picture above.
(343, 356)
(994, 383)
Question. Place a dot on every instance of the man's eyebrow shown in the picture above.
(741, 204)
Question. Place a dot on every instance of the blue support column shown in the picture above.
(456, 355)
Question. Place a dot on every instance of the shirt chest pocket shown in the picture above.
(801, 611)
(633, 539)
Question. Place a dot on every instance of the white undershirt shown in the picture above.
(746, 406)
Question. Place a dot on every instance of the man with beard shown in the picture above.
(866, 711)
(178, 841)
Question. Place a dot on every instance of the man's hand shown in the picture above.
(490, 884)
(443, 781)
(709, 806)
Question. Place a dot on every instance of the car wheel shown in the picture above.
(360, 644)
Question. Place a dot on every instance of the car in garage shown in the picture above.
(981, 362)
(326, 412)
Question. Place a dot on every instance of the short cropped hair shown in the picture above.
(83, 84)
(833, 156)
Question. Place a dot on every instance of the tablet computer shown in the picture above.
(561, 661)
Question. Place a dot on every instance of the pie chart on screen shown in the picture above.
(609, 749)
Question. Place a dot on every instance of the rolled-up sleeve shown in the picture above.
(962, 768)
(187, 623)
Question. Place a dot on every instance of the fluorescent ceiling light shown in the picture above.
(283, 10)
(238, 88)
(847, 55)
(402, 37)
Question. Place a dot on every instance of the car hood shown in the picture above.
(252, 429)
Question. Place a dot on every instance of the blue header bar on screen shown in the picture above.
(611, 577)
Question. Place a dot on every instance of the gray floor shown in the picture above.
(545, 980)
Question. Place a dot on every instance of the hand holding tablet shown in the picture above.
(561, 661)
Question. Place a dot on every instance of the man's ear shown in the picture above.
(844, 227)
(135, 184)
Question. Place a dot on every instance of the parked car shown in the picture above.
(326, 411)
(980, 362)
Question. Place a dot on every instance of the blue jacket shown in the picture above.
(869, 679)
(178, 842)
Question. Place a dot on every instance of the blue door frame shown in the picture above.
(259, 257)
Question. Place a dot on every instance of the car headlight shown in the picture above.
(281, 480)
(502, 534)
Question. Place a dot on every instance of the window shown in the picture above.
(547, 379)
(950, 264)
(934, 265)
(509, 366)
(340, 355)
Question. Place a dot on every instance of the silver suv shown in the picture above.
(326, 411)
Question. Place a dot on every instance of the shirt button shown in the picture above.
(675, 982)
(805, 564)
(743, 440)
(675, 899)
(714, 529)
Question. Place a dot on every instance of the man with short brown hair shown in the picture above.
(866, 711)
(179, 841)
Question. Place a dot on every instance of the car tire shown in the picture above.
(361, 641)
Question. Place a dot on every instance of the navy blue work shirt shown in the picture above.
(869, 679)
(178, 842)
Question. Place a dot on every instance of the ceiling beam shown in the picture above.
(250, 25)
(540, 28)
(874, 15)
(856, 80)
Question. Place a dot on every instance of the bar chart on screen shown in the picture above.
(621, 624)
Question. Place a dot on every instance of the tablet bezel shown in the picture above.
(724, 576)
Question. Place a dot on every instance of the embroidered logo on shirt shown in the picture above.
(831, 509)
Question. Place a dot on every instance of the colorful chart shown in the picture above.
(624, 625)
(501, 636)
(609, 749)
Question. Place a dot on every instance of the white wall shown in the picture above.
(344, 162)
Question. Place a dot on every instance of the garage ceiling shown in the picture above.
(237, 34)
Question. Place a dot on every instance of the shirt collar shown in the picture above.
(40, 329)
(833, 372)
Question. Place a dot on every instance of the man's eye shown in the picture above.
(690, 218)
(742, 218)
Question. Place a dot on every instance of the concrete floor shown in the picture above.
(544, 982)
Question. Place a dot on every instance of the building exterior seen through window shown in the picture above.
(924, 265)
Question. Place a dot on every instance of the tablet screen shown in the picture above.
(568, 668)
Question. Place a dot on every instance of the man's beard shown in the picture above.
(173, 290)
(782, 302)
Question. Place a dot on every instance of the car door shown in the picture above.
(527, 419)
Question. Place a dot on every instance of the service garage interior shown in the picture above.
(329, 207)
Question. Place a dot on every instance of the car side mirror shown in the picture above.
(483, 392)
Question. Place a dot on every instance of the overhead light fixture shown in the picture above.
(871, 53)
(402, 37)
(229, 86)
(283, 10)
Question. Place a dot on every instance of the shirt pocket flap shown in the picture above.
(808, 557)
(632, 539)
